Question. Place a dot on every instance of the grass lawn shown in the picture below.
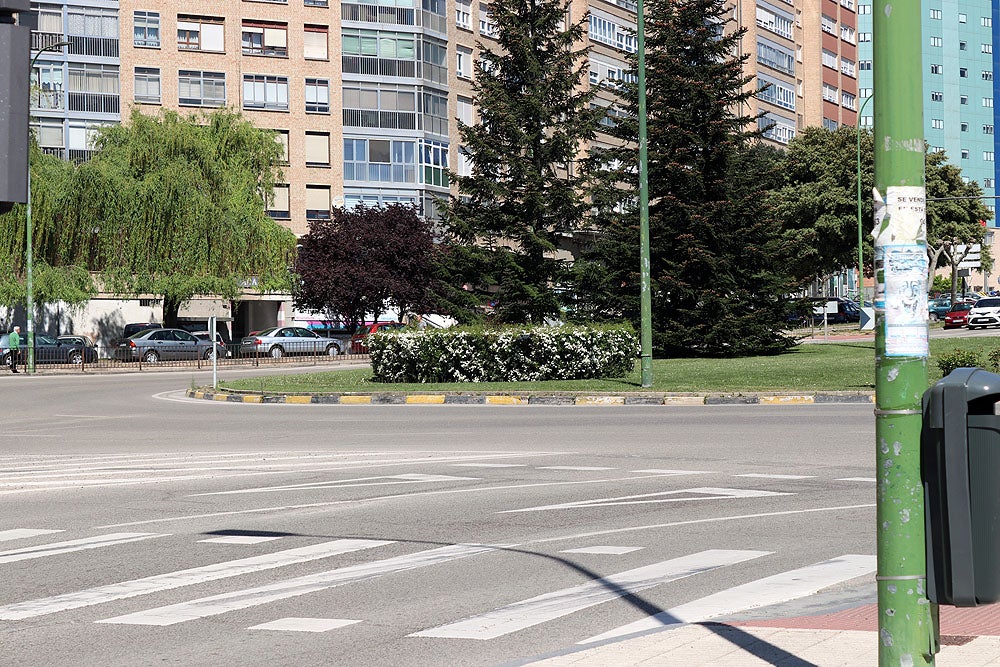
(848, 366)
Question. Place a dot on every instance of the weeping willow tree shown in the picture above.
(169, 205)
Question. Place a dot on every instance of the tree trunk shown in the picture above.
(171, 307)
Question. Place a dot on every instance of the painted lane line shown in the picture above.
(21, 533)
(557, 604)
(345, 483)
(782, 587)
(489, 465)
(172, 580)
(701, 493)
(44, 550)
(305, 624)
(238, 539)
(615, 551)
(857, 479)
(660, 471)
(251, 597)
(766, 476)
(574, 468)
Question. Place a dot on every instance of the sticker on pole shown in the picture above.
(905, 268)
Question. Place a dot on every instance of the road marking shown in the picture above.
(660, 471)
(21, 533)
(574, 468)
(857, 479)
(413, 478)
(781, 587)
(44, 550)
(765, 476)
(171, 580)
(557, 604)
(238, 539)
(616, 551)
(305, 624)
(489, 465)
(703, 493)
(251, 597)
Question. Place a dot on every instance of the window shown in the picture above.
(987, 75)
(828, 25)
(847, 34)
(434, 160)
(776, 128)
(50, 20)
(864, 37)
(962, 18)
(201, 89)
(265, 39)
(317, 202)
(937, 96)
(47, 89)
(864, 93)
(936, 41)
(848, 101)
(776, 57)
(463, 14)
(200, 34)
(486, 26)
(281, 136)
(988, 102)
(962, 46)
(965, 154)
(865, 65)
(317, 96)
(379, 52)
(986, 48)
(963, 72)
(986, 21)
(93, 88)
(864, 9)
(316, 41)
(988, 182)
(964, 127)
(463, 63)
(91, 22)
(466, 110)
(385, 105)
(774, 20)
(963, 99)
(380, 160)
(279, 208)
(937, 123)
(775, 92)
(316, 3)
(829, 124)
(829, 59)
(605, 30)
(317, 149)
(987, 129)
(936, 14)
(830, 93)
(147, 85)
(146, 29)
(988, 156)
(464, 162)
(937, 69)
(847, 67)
(265, 92)
(847, 3)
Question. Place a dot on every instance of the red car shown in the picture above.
(958, 316)
(358, 339)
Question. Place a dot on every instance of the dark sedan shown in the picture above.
(155, 345)
(49, 350)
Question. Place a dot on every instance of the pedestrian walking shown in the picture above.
(14, 343)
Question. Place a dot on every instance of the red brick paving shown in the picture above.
(960, 621)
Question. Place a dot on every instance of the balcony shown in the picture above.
(94, 103)
(101, 47)
(377, 14)
(391, 120)
(372, 66)
(48, 99)
(42, 40)
(80, 154)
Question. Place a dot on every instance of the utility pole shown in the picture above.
(906, 619)
(645, 297)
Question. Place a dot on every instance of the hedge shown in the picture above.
(509, 354)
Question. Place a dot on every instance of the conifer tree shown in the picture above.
(527, 189)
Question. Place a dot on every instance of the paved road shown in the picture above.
(140, 527)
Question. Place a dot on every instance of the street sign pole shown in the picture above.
(907, 620)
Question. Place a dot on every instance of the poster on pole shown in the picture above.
(905, 269)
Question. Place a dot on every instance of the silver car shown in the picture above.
(155, 345)
(278, 342)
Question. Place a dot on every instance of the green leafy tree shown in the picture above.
(170, 205)
(716, 255)
(525, 192)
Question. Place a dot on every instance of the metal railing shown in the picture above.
(103, 47)
(94, 102)
(394, 120)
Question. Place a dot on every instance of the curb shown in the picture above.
(389, 398)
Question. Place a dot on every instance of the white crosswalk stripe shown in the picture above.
(70, 546)
(549, 606)
(781, 587)
(171, 580)
(22, 533)
(220, 604)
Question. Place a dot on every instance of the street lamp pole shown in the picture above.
(645, 298)
(28, 253)
(861, 254)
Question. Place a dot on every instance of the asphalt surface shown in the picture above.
(355, 517)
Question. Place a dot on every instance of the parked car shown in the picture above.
(363, 331)
(958, 316)
(278, 342)
(49, 350)
(136, 327)
(153, 345)
(847, 310)
(207, 336)
(985, 313)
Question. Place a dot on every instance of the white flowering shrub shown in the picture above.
(508, 354)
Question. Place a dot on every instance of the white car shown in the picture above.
(986, 313)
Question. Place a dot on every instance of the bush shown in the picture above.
(510, 354)
(959, 359)
(994, 359)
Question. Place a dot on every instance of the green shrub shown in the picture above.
(509, 354)
(960, 359)
(994, 359)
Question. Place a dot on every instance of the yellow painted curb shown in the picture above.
(787, 400)
(600, 400)
(253, 399)
(355, 400)
(300, 400)
(425, 399)
(220, 397)
(199, 394)
(684, 400)
(507, 400)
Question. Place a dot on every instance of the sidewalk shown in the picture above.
(848, 638)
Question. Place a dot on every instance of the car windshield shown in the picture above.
(988, 303)
(44, 340)
(267, 332)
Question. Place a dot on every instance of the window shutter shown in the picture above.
(317, 198)
(318, 148)
(315, 45)
(277, 37)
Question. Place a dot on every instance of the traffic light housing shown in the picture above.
(15, 49)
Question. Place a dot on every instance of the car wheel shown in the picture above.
(933, 317)
(76, 357)
(332, 350)
(276, 352)
(6, 360)
(209, 354)
(151, 357)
